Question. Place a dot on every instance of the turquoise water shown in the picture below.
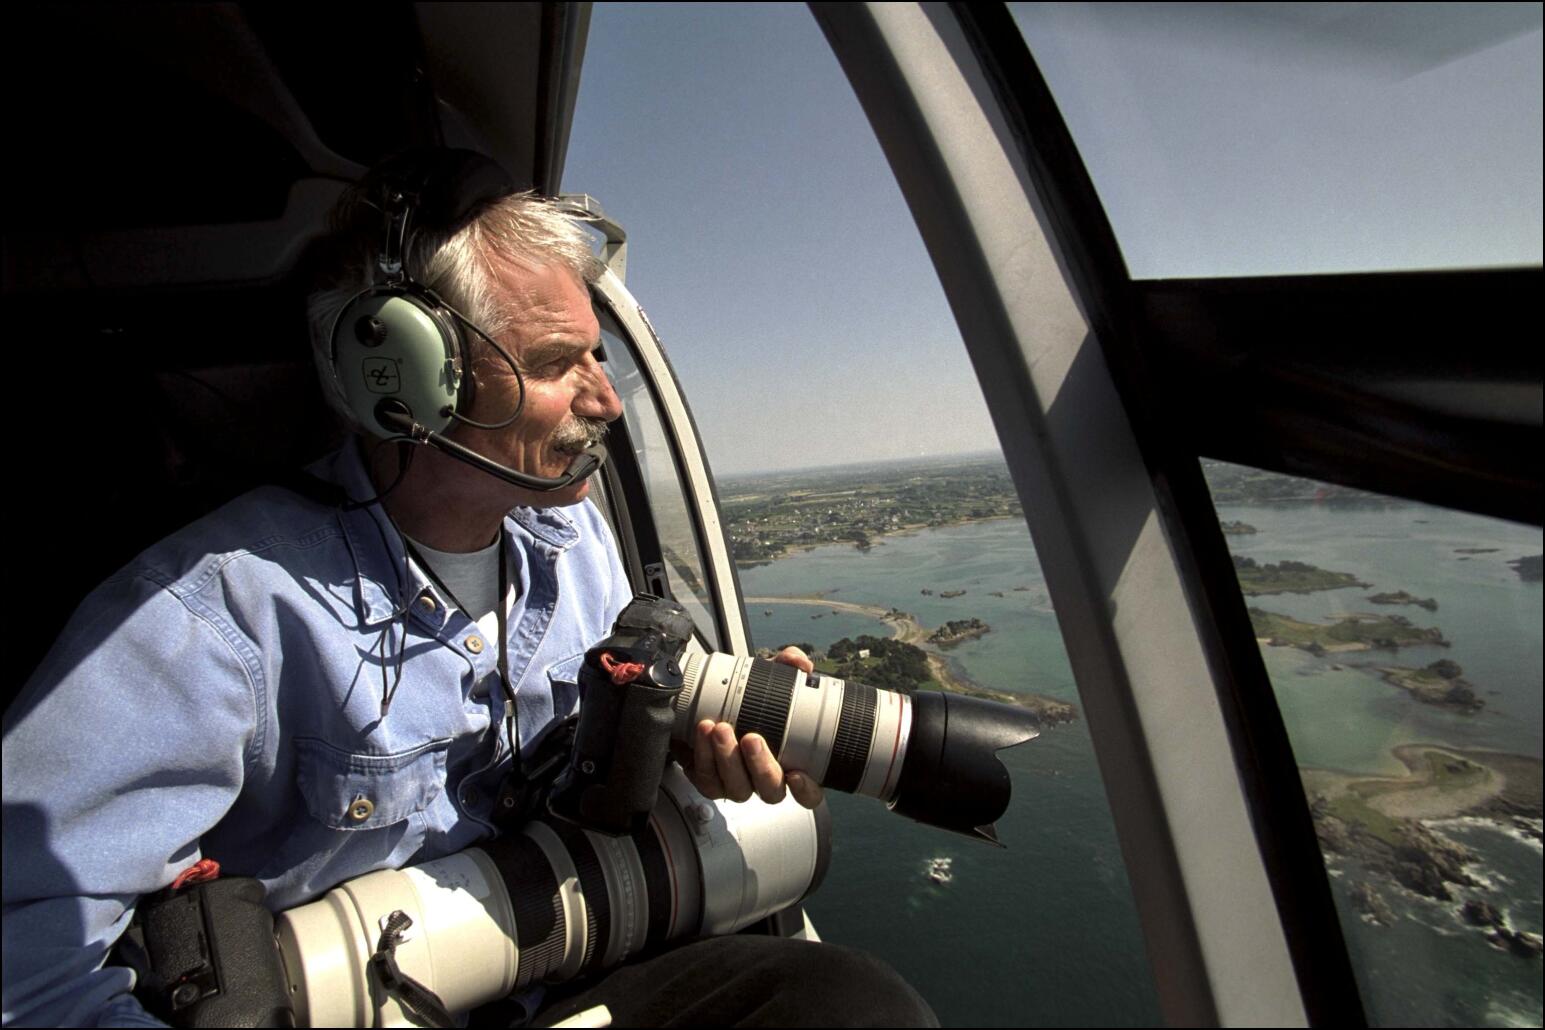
(1045, 932)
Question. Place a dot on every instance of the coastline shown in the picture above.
(1509, 785)
(905, 628)
(911, 529)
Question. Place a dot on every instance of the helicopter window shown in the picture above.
(1403, 643)
(1282, 139)
(859, 476)
(678, 564)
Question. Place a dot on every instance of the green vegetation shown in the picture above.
(1349, 633)
(1353, 809)
(958, 630)
(768, 516)
(889, 663)
(1238, 484)
(1452, 772)
(1401, 597)
(1288, 577)
(1441, 683)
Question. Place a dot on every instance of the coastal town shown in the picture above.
(769, 516)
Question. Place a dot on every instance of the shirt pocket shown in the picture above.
(367, 792)
(563, 680)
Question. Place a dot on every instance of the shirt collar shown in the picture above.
(384, 579)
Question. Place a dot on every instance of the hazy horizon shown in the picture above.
(777, 259)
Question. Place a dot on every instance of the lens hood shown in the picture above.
(952, 777)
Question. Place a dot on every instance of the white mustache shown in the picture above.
(578, 433)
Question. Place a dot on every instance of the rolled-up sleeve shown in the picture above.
(128, 744)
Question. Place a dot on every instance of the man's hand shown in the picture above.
(723, 767)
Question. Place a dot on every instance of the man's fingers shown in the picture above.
(792, 655)
(805, 790)
(766, 773)
(705, 771)
(727, 760)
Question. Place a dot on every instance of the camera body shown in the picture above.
(629, 683)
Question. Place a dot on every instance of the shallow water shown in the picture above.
(1045, 931)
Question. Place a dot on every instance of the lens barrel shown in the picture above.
(550, 903)
(929, 755)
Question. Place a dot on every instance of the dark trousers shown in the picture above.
(747, 980)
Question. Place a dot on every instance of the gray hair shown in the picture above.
(522, 228)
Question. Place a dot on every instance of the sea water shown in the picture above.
(1045, 931)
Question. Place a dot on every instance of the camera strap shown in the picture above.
(414, 996)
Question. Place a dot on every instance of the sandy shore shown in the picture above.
(908, 630)
(1502, 782)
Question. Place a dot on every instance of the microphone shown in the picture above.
(394, 415)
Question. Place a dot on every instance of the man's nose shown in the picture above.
(599, 398)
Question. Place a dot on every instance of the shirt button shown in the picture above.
(360, 809)
(426, 602)
(475, 645)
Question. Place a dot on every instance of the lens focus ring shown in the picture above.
(765, 707)
(855, 730)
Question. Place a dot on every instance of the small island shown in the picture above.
(1484, 914)
(1528, 567)
(1348, 633)
(1288, 577)
(1401, 597)
(1442, 684)
(1237, 528)
(1380, 822)
(957, 631)
(1476, 550)
(894, 663)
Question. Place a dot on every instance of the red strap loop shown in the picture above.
(620, 672)
(202, 871)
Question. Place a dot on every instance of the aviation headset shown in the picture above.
(399, 353)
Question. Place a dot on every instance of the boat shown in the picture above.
(939, 870)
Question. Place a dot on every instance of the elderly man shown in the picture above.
(314, 683)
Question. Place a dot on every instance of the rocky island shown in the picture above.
(1401, 597)
(1485, 915)
(1379, 822)
(1288, 577)
(898, 665)
(1442, 683)
(957, 631)
(1237, 528)
(1348, 633)
(908, 661)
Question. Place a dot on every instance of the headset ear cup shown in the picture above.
(391, 342)
(461, 347)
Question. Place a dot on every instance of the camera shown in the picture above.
(928, 755)
(609, 853)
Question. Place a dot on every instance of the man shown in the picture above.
(307, 686)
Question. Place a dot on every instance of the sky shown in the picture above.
(774, 254)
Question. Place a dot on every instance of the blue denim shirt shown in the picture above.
(221, 697)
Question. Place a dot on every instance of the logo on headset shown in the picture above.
(382, 375)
